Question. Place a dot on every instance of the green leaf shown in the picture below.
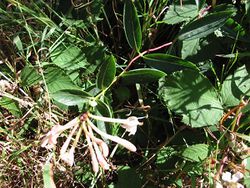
(195, 153)
(179, 13)
(167, 63)
(235, 86)
(132, 25)
(204, 26)
(127, 177)
(48, 176)
(57, 79)
(103, 109)
(10, 105)
(68, 57)
(29, 76)
(143, 75)
(106, 73)
(190, 47)
(17, 41)
(164, 155)
(247, 7)
(246, 108)
(71, 97)
(191, 95)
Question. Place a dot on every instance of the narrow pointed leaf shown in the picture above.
(132, 25)
(106, 73)
(143, 75)
(204, 26)
(167, 63)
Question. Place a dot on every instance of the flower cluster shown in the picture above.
(99, 150)
(230, 180)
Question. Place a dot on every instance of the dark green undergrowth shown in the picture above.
(124, 93)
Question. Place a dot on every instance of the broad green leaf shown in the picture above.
(195, 153)
(48, 176)
(191, 95)
(106, 73)
(190, 47)
(10, 105)
(179, 13)
(167, 63)
(235, 86)
(29, 76)
(143, 75)
(204, 26)
(68, 57)
(57, 79)
(71, 97)
(132, 25)
(201, 50)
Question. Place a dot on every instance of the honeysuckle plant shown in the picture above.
(98, 148)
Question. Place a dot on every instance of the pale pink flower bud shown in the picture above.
(49, 141)
(102, 161)
(116, 139)
(68, 157)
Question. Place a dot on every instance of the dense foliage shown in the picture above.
(124, 93)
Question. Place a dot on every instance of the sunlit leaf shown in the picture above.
(191, 95)
(11, 106)
(179, 13)
(56, 79)
(71, 97)
(30, 76)
(196, 153)
(236, 86)
(48, 176)
(68, 57)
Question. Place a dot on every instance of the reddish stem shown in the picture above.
(145, 52)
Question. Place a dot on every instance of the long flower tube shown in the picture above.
(116, 139)
(130, 124)
(66, 143)
(101, 158)
(50, 140)
(94, 160)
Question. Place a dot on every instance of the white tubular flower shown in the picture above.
(103, 146)
(130, 124)
(66, 143)
(49, 141)
(68, 157)
(116, 139)
(94, 160)
(232, 180)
